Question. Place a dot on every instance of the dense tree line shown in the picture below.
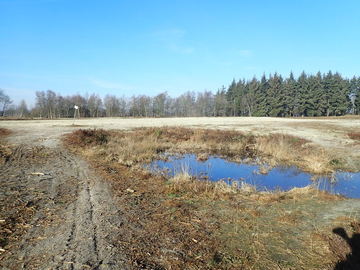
(308, 95)
(50, 105)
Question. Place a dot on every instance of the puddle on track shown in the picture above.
(283, 178)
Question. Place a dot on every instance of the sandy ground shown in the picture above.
(330, 133)
(72, 214)
(67, 214)
(327, 132)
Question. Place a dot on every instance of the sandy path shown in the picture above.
(75, 218)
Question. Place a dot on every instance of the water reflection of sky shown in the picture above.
(283, 178)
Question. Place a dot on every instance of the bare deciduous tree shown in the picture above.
(5, 101)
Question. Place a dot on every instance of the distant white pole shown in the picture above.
(76, 112)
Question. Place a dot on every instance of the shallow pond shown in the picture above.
(279, 178)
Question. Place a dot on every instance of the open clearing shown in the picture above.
(330, 132)
(70, 209)
(323, 131)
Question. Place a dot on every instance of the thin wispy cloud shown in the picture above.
(226, 63)
(245, 53)
(104, 84)
(174, 40)
(181, 49)
(170, 34)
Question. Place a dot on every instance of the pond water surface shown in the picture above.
(279, 178)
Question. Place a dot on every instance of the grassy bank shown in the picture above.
(181, 223)
(143, 145)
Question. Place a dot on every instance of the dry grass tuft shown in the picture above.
(5, 150)
(184, 183)
(5, 132)
(280, 146)
(354, 136)
(130, 149)
(5, 153)
(87, 137)
(295, 151)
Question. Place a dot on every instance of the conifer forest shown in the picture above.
(327, 94)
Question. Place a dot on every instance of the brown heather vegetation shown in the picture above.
(354, 136)
(90, 137)
(183, 223)
(144, 144)
(4, 132)
(5, 151)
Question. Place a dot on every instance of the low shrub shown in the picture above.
(4, 132)
(354, 136)
(88, 137)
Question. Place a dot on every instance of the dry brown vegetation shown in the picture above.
(4, 132)
(89, 137)
(5, 153)
(182, 223)
(17, 211)
(5, 150)
(143, 145)
(354, 136)
(345, 245)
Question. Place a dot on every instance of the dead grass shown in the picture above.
(88, 137)
(183, 223)
(296, 151)
(20, 197)
(183, 182)
(5, 153)
(345, 245)
(145, 144)
(5, 150)
(4, 132)
(354, 136)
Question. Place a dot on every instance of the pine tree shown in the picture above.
(276, 96)
(261, 100)
(311, 96)
(357, 103)
(302, 94)
(248, 100)
(289, 90)
(339, 98)
(230, 97)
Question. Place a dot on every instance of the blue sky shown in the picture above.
(150, 46)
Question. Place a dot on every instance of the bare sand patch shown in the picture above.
(330, 133)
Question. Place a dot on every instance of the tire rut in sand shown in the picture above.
(75, 222)
(81, 246)
(89, 244)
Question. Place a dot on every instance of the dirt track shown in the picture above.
(72, 218)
